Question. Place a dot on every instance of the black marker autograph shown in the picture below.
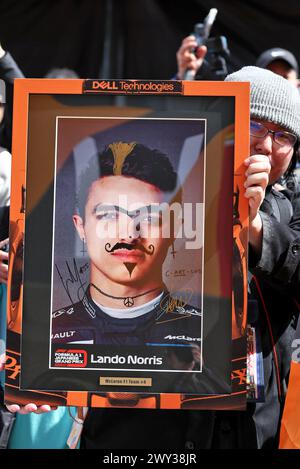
(73, 279)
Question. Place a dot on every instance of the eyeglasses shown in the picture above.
(280, 137)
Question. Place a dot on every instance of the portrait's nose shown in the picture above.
(262, 146)
(129, 230)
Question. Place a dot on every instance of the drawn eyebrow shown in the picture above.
(146, 208)
(105, 207)
(115, 208)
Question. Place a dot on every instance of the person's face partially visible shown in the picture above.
(1, 112)
(279, 155)
(282, 68)
(124, 244)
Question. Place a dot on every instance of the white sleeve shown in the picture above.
(5, 175)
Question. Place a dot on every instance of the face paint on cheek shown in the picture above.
(129, 266)
(151, 249)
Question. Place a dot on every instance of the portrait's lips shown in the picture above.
(127, 255)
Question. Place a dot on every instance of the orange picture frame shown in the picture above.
(232, 138)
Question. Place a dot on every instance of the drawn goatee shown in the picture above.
(130, 266)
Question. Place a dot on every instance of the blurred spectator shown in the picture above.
(9, 70)
(6, 419)
(61, 73)
(191, 58)
(280, 61)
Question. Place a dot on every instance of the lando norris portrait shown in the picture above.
(122, 225)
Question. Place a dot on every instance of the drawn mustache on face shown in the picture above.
(130, 247)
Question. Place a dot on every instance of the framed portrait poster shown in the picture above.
(128, 235)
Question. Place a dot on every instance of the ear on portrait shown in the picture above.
(78, 223)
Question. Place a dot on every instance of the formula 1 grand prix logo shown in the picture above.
(70, 358)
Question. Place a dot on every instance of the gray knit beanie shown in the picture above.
(272, 97)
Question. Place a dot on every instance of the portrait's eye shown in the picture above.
(151, 219)
(107, 215)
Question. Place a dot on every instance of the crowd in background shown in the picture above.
(271, 178)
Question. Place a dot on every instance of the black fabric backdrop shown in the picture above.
(137, 38)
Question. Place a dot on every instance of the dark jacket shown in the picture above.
(9, 70)
(6, 422)
(274, 293)
(85, 322)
